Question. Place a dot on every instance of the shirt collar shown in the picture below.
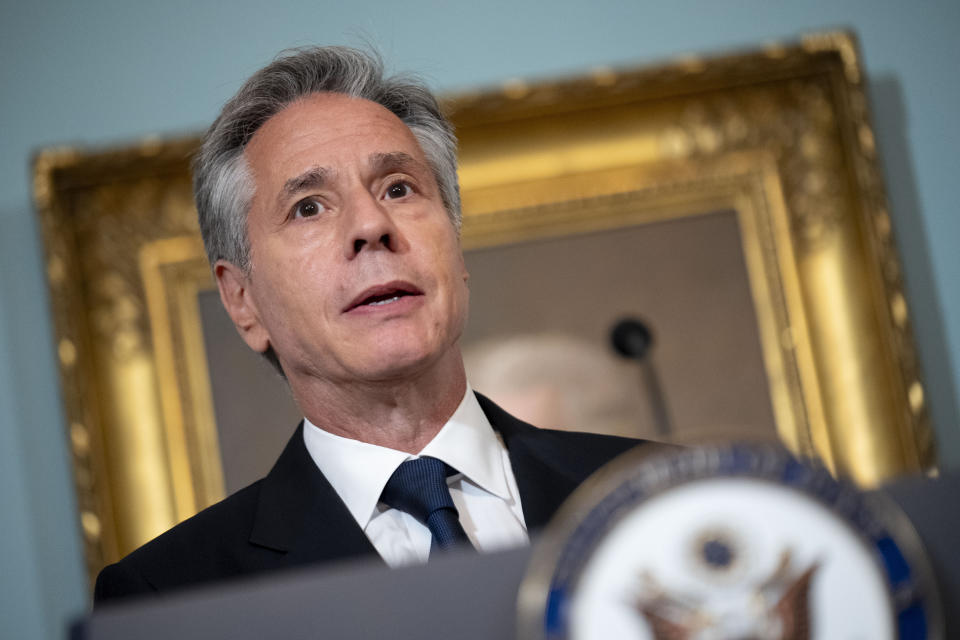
(359, 471)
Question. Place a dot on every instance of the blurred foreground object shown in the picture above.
(734, 541)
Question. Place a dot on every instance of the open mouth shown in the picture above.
(382, 295)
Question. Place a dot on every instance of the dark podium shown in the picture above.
(462, 595)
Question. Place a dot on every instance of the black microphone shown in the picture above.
(632, 339)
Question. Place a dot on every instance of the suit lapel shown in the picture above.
(299, 513)
(543, 485)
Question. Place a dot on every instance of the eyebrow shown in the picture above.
(313, 178)
(394, 161)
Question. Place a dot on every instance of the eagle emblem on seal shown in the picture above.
(775, 607)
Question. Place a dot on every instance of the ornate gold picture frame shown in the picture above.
(781, 137)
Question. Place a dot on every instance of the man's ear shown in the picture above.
(234, 286)
(463, 270)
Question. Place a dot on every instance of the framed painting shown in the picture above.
(731, 203)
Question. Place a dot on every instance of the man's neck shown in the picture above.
(403, 414)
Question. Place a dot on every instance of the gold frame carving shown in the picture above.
(780, 136)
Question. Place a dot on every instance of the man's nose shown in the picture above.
(371, 227)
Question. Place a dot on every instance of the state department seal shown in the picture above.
(734, 542)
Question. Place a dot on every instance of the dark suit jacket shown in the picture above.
(294, 517)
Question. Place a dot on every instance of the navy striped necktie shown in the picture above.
(419, 487)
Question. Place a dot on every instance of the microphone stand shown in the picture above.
(632, 340)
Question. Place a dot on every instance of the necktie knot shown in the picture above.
(419, 487)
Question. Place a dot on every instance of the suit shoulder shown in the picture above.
(194, 551)
(584, 451)
(232, 517)
(577, 454)
(117, 581)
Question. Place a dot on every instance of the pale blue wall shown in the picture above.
(103, 72)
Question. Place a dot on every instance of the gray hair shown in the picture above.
(222, 184)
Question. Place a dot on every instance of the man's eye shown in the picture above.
(398, 190)
(307, 209)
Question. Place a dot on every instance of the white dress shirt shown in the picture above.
(484, 491)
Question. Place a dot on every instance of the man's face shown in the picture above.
(357, 273)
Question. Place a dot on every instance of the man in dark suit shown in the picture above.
(330, 212)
